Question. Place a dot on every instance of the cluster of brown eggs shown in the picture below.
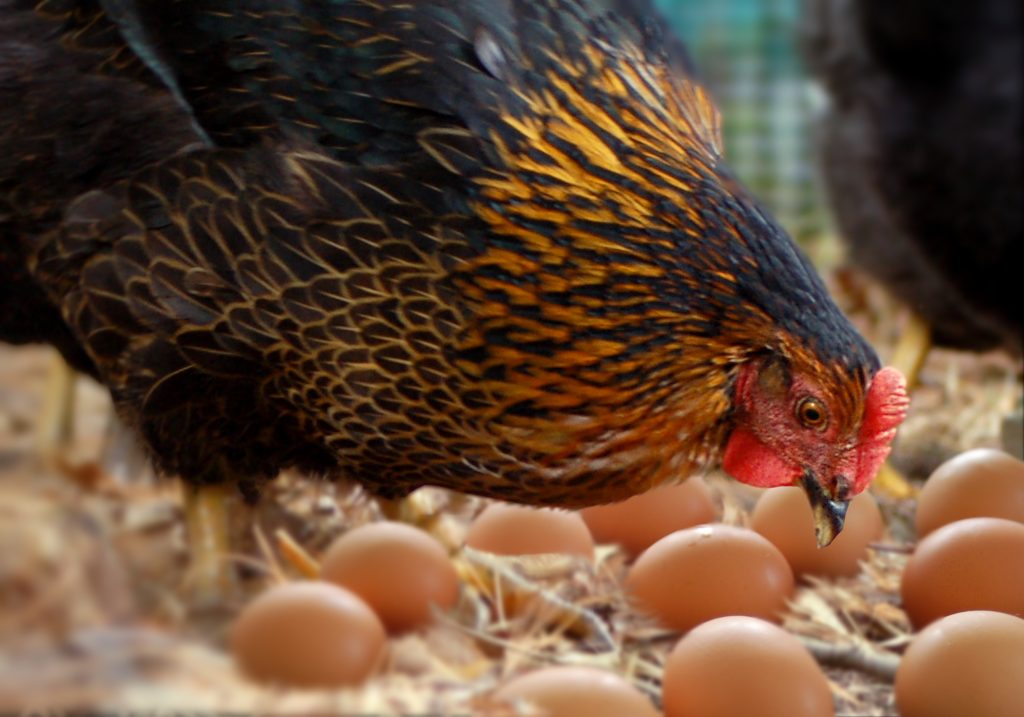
(964, 587)
(724, 586)
(378, 579)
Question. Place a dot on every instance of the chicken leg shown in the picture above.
(210, 580)
(912, 349)
(55, 426)
(908, 357)
(123, 457)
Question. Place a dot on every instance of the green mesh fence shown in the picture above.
(747, 53)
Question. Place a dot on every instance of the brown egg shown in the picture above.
(708, 571)
(398, 570)
(308, 634)
(979, 483)
(639, 522)
(973, 564)
(507, 529)
(783, 515)
(575, 692)
(970, 664)
(743, 666)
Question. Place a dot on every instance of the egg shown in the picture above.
(982, 482)
(637, 523)
(743, 666)
(308, 634)
(400, 571)
(507, 529)
(707, 571)
(575, 692)
(784, 517)
(973, 564)
(967, 664)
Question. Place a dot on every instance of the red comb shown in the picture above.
(884, 410)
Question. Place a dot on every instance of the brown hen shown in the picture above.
(491, 246)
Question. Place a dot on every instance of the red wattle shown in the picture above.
(750, 461)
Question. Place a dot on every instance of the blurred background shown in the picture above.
(88, 542)
(748, 53)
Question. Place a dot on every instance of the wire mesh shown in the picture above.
(747, 53)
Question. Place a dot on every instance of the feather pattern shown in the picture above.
(78, 110)
(486, 245)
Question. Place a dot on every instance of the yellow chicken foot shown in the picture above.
(912, 349)
(210, 581)
(406, 509)
(909, 356)
(123, 457)
(430, 512)
(893, 484)
(53, 434)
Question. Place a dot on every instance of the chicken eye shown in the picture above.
(811, 413)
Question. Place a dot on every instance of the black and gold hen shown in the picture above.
(488, 245)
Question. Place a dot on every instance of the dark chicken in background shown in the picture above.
(921, 153)
(491, 246)
(77, 110)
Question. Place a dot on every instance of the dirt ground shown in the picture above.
(92, 563)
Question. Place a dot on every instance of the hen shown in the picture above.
(76, 112)
(62, 71)
(921, 151)
(491, 246)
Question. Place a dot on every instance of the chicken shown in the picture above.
(490, 246)
(60, 79)
(921, 152)
(62, 72)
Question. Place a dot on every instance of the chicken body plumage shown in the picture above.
(78, 110)
(921, 151)
(486, 245)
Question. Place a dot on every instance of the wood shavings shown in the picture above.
(515, 586)
(296, 556)
(90, 578)
(856, 656)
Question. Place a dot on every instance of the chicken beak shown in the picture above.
(829, 514)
